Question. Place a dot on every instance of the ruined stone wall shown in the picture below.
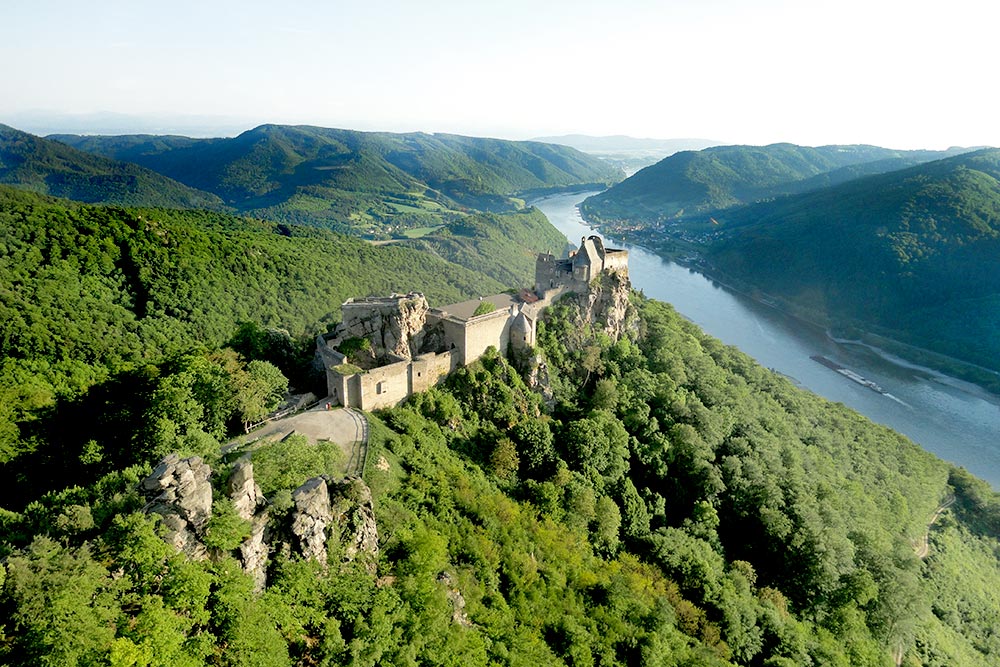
(551, 273)
(385, 386)
(486, 330)
(338, 389)
(454, 334)
(616, 261)
(429, 369)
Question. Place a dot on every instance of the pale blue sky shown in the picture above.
(899, 74)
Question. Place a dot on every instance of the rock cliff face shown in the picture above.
(251, 505)
(180, 491)
(394, 325)
(353, 511)
(607, 303)
(312, 516)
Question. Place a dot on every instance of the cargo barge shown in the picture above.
(848, 373)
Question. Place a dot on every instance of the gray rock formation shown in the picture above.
(456, 599)
(394, 325)
(607, 302)
(538, 379)
(355, 515)
(311, 518)
(179, 491)
(254, 551)
(251, 505)
(243, 491)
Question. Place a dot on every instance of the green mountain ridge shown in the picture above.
(703, 182)
(915, 253)
(51, 167)
(356, 182)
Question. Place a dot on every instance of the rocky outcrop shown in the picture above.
(353, 511)
(607, 303)
(251, 505)
(243, 491)
(180, 492)
(311, 518)
(457, 600)
(394, 325)
(254, 551)
(538, 379)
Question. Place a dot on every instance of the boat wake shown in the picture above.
(898, 400)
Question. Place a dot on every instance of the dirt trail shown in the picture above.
(923, 546)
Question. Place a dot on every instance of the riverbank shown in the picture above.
(952, 371)
(957, 422)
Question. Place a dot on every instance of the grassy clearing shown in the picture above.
(418, 232)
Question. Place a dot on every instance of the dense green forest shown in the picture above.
(86, 291)
(674, 504)
(700, 183)
(50, 167)
(503, 246)
(367, 183)
(654, 500)
(913, 254)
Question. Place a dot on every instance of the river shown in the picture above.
(956, 421)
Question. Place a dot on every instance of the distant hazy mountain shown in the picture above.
(691, 183)
(364, 180)
(111, 123)
(629, 153)
(915, 252)
(51, 167)
(621, 144)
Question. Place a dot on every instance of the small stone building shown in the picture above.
(388, 348)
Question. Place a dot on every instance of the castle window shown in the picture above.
(380, 388)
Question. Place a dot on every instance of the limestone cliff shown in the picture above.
(392, 325)
(180, 492)
(252, 506)
(606, 303)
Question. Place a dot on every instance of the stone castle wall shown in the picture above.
(399, 326)
(429, 369)
(616, 261)
(384, 386)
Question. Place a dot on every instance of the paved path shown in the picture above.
(346, 427)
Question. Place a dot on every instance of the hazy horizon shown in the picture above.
(894, 74)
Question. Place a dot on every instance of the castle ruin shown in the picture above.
(388, 348)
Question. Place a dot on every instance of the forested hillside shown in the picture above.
(368, 183)
(87, 292)
(51, 167)
(700, 183)
(914, 254)
(676, 505)
(503, 246)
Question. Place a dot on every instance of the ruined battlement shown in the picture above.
(575, 272)
(411, 347)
